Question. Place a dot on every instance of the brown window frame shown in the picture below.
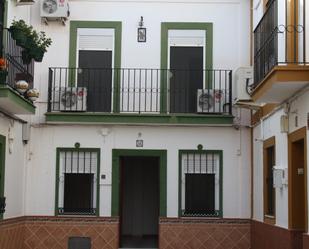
(268, 144)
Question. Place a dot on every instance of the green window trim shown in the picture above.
(117, 153)
(58, 151)
(165, 27)
(2, 166)
(117, 26)
(220, 154)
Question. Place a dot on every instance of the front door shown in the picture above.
(297, 180)
(186, 67)
(139, 202)
(95, 74)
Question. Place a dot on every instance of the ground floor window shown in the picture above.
(269, 190)
(201, 183)
(77, 181)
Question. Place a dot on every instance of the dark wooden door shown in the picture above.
(96, 74)
(186, 66)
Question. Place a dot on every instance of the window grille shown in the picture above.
(200, 184)
(78, 182)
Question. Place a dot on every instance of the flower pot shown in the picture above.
(26, 57)
(33, 94)
(3, 74)
(37, 54)
(21, 86)
(19, 36)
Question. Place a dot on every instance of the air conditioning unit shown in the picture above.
(54, 9)
(243, 79)
(72, 99)
(212, 101)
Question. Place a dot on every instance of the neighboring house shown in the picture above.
(135, 141)
(280, 127)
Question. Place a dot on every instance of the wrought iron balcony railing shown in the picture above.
(277, 40)
(16, 69)
(140, 90)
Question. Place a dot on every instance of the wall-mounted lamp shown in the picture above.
(141, 31)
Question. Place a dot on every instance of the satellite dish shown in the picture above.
(205, 101)
(69, 99)
(50, 6)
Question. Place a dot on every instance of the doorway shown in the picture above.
(139, 201)
(297, 180)
(186, 67)
(96, 75)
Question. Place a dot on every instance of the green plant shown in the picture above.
(34, 43)
(20, 32)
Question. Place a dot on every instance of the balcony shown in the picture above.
(11, 101)
(280, 67)
(155, 96)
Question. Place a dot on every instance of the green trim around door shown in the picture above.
(218, 152)
(58, 151)
(117, 26)
(117, 153)
(2, 166)
(165, 27)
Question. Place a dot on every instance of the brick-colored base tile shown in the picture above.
(54, 233)
(204, 235)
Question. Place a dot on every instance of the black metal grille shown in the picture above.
(16, 69)
(200, 187)
(266, 42)
(139, 90)
(77, 182)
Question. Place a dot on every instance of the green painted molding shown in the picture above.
(2, 166)
(120, 118)
(117, 153)
(117, 26)
(8, 92)
(165, 27)
(74, 149)
(218, 152)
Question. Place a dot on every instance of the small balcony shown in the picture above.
(280, 67)
(12, 101)
(139, 95)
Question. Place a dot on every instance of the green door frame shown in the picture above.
(2, 166)
(117, 26)
(165, 27)
(117, 153)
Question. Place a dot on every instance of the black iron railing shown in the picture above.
(140, 90)
(273, 42)
(16, 69)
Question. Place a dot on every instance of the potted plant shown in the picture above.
(20, 32)
(39, 45)
(34, 43)
(33, 94)
(3, 70)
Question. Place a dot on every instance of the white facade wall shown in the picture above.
(15, 167)
(236, 161)
(34, 165)
(264, 130)
(231, 29)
